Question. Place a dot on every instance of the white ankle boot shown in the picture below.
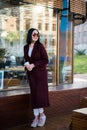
(42, 121)
(34, 123)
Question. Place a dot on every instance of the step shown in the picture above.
(79, 119)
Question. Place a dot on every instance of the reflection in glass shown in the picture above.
(65, 60)
(14, 24)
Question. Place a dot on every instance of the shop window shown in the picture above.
(39, 26)
(46, 26)
(13, 39)
(54, 27)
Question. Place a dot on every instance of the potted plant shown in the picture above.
(2, 56)
(2, 53)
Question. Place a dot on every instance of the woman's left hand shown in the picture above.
(31, 66)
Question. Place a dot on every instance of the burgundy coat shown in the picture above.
(38, 76)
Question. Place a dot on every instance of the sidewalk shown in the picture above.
(55, 123)
(80, 77)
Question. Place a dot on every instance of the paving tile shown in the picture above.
(53, 123)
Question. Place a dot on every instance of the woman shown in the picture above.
(36, 60)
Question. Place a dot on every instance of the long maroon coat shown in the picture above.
(38, 76)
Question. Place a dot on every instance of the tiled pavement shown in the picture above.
(53, 123)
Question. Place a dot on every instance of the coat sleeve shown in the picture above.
(44, 57)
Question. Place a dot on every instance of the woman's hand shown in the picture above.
(30, 66)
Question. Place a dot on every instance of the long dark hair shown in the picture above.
(29, 36)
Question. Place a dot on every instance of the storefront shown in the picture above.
(55, 19)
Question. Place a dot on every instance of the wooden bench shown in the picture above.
(79, 119)
(11, 82)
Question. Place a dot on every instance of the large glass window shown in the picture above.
(14, 24)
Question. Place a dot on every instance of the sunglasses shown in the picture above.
(35, 34)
